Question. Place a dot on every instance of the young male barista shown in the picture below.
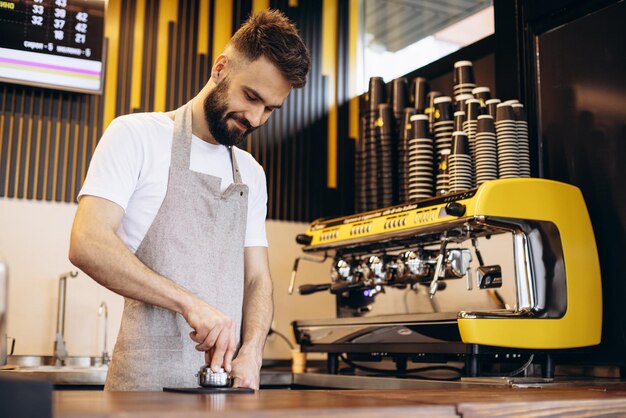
(171, 216)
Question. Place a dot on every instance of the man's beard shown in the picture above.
(215, 106)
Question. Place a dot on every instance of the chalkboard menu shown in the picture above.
(53, 43)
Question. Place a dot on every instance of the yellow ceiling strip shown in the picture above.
(168, 12)
(112, 33)
(138, 48)
(329, 69)
(223, 26)
(259, 5)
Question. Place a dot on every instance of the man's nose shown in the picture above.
(255, 116)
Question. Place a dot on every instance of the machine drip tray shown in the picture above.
(509, 381)
(537, 382)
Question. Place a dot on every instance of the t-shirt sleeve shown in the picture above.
(257, 211)
(115, 166)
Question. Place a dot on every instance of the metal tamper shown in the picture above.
(209, 378)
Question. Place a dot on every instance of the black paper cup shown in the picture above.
(472, 109)
(386, 121)
(406, 132)
(492, 105)
(463, 72)
(459, 118)
(485, 124)
(519, 111)
(419, 126)
(459, 101)
(399, 94)
(482, 94)
(375, 92)
(460, 143)
(430, 100)
(443, 108)
(419, 92)
(504, 112)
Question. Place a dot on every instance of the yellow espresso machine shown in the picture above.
(558, 304)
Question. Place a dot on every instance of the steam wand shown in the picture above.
(439, 267)
(294, 272)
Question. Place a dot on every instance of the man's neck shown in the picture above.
(199, 126)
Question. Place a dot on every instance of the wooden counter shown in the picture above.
(587, 401)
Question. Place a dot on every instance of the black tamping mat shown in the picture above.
(210, 390)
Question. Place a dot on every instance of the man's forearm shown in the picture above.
(111, 264)
(98, 251)
(258, 309)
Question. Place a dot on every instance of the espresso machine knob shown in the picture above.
(304, 239)
(455, 209)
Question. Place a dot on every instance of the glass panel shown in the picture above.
(399, 36)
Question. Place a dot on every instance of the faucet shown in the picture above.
(104, 310)
(60, 353)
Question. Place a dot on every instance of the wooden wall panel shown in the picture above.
(160, 55)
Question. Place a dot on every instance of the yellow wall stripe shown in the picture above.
(38, 146)
(29, 133)
(85, 139)
(46, 160)
(20, 132)
(259, 5)
(353, 48)
(203, 27)
(9, 145)
(223, 26)
(2, 107)
(168, 12)
(112, 33)
(138, 48)
(66, 151)
(75, 162)
(57, 148)
(329, 69)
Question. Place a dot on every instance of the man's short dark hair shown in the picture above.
(272, 35)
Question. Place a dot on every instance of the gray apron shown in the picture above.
(197, 241)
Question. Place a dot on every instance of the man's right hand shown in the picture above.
(214, 332)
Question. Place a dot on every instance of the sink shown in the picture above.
(78, 370)
(39, 361)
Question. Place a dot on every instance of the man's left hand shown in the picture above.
(246, 371)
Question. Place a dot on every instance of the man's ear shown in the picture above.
(218, 70)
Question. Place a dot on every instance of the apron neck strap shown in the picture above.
(181, 142)
(235, 166)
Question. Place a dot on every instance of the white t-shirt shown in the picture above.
(130, 167)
